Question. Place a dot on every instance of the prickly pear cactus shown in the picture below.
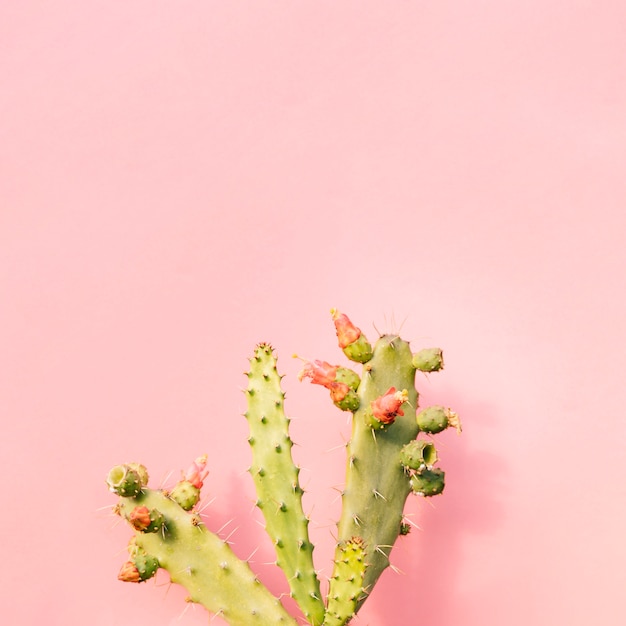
(386, 462)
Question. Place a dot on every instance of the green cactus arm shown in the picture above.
(348, 576)
(276, 480)
(204, 564)
(377, 485)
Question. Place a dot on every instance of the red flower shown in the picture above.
(387, 407)
(347, 332)
(320, 373)
(197, 472)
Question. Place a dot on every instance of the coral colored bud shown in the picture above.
(387, 407)
(338, 391)
(351, 340)
(340, 381)
(140, 517)
(320, 373)
(347, 332)
(197, 472)
(129, 573)
(145, 520)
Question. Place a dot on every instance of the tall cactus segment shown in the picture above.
(386, 461)
(379, 477)
(347, 582)
(276, 480)
(377, 484)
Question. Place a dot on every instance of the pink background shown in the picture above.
(180, 180)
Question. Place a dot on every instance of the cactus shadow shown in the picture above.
(431, 558)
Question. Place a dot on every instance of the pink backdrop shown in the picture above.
(180, 180)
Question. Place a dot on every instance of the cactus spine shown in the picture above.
(386, 461)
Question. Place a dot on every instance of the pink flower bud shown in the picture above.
(197, 472)
(320, 373)
(347, 332)
(387, 407)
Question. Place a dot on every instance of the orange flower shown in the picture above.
(387, 407)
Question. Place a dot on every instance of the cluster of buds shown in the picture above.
(140, 566)
(418, 458)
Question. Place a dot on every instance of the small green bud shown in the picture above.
(436, 418)
(124, 481)
(146, 564)
(185, 495)
(349, 402)
(418, 454)
(359, 351)
(142, 472)
(428, 482)
(349, 377)
(428, 360)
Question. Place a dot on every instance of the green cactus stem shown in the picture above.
(377, 486)
(276, 480)
(201, 562)
(348, 576)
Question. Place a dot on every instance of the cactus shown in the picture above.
(386, 462)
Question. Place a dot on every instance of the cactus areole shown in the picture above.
(387, 460)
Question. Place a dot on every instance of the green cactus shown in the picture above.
(203, 563)
(276, 481)
(347, 582)
(386, 462)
